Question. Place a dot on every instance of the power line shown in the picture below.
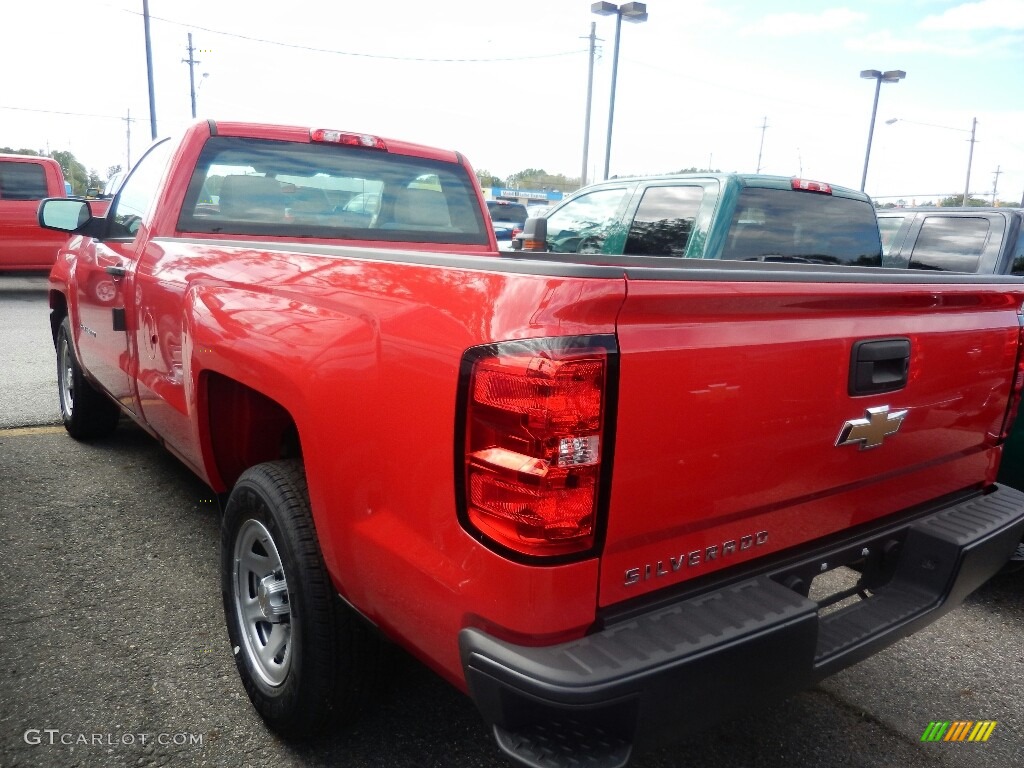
(72, 114)
(314, 49)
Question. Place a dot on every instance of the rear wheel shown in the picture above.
(86, 412)
(303, 657)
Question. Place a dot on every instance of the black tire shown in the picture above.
(305, 658)
(86, 412)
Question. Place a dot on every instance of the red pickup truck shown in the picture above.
(593, 488)
(24, 181)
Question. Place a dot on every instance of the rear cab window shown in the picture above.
(245, 186)
(22, 181)
(783, 225)
(510, 213)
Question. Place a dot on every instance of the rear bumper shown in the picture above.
(680, 668)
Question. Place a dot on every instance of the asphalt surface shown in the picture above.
(28, 367)
(113, 650)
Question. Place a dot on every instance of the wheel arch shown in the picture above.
(58, 311)
(243, 427)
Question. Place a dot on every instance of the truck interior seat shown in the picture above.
(419, 209)
(252, 198)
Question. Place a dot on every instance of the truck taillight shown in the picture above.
(536, 444)
(327, 136)
(806, 185)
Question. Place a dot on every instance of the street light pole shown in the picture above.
(891, 76)
(149, 69)
(590, 93)
(633, 12)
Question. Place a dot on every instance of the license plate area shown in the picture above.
(846, 576)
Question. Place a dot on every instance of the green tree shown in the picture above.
(9, 151)
(538, 178)
(74, 171)
(958, 200)
(488, 179)
(112, 170)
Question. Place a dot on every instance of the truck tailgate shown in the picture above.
(735, 399)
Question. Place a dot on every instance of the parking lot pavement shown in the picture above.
(112, 632)
(28, 366)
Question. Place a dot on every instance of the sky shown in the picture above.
(729, 84)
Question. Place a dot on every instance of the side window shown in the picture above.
(137, 193)
(22, 181)
(950, 243)
(664, 221)
(583, 224)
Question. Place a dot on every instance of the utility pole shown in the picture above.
(970, 159)
(995, 182)
(590, 93)
(149, 69)
(764, 127)
(191, 61)
(128, 121)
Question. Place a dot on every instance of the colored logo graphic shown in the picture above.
(959, 730)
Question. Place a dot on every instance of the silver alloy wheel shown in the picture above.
(260, 596)
(66, 374)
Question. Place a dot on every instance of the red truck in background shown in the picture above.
(24, 181)
(590, 488)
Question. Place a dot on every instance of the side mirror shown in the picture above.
(64, 214)
(533, 238)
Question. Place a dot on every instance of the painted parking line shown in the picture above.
(25, 431)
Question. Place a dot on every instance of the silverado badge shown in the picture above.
(877, 424)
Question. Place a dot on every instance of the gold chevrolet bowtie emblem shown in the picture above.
(877, 424)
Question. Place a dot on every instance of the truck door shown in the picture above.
(104, 280)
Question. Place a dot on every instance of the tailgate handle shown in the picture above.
(879, 365)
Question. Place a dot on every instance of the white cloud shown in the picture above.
(959, 46)
(793, 24)
(884, 41)
(985, 14)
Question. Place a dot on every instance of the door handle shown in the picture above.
(115, 271)
(879, 365)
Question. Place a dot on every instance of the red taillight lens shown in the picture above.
(534, 443)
